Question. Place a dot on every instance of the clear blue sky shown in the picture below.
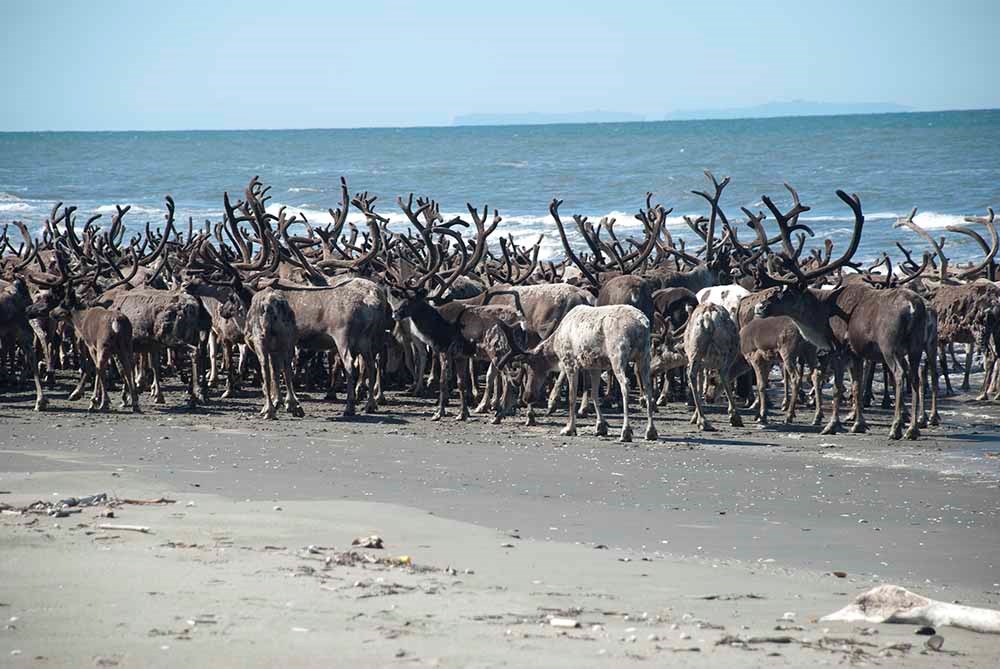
(177, 64)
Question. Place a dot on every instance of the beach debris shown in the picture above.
(147, 502)
(840, 574)
(926, 630)
(894, 604)
(89, 500)
(788, 615)
(934, 643)
(564, 622)
(506, 545)
(278, 508)
(124, 528)
(727, 597)
(373, 541)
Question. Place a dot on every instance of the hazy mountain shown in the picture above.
(542, 118)
(792, 108)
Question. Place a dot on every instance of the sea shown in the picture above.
(944, 163)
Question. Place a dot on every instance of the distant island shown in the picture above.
(766, 110)
(792, 108)
(542, 118)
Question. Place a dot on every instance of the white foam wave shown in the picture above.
(925, 219)
(7, 197)
(933, 220)
(303, 189)
(135, 210)
(15, 207)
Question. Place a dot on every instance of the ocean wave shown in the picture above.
(8, 197)
(135, 209)
(303, 189)
(16, 207)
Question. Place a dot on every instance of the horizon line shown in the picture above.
(502, 125)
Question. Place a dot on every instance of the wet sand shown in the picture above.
(582, 527)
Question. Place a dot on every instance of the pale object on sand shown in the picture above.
(893, 604)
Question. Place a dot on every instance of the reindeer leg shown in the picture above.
(126, 366)
(916, 395)
(727, 387)
(948, 392)
(758, 370)
(491, 374)
(857, 390)
(270, 409)
(988, 362)
(572, 379)
(27, 344)
(213, 359)
(444, 363)
(970, 350)
(554, 395)
(155, 390)
(81, 384)
(694, 373)
(601, 428)
(833, 427)
(795, 376)
(646, 378)
(620, 372)
(347, 361)
(462, 374)
(817, 381)
(371, 402)
(899, 372)
(292, 404)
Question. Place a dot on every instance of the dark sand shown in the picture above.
(739, 511)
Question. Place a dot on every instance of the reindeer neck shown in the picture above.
(431, 326)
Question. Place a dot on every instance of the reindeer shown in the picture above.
(857, 320)
(595, 339)
(763, 341)
(106, 334)
(456, 330)
(711, 343)
(272, 333)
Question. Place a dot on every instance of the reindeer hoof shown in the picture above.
(935, 419)
(462, 417)
(297, 411)
(158, 399)
(705, 426)
(789, 419)
(438, 415)
(861, 428)
(41, 404)
(922, 423)
(601, 429)
(626, 437)
(735, 420)
(912, 433)
(495, 420)
(550, 409)
(651, 434)
(75, 395)
(817, 420)
(530, 421)
(833, 427)
(895, 432)
(568, 431)
(481, 408)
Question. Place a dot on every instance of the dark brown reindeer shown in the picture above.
(455, 330)
(856, 320)
(15, 299)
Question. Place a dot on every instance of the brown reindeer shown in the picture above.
(106, 334)
(764, 341)
(858, 321)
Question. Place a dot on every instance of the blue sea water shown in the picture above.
(945, 163)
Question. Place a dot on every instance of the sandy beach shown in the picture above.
(699, 550)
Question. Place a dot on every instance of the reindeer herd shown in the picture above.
(266, 294)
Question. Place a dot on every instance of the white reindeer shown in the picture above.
(594, 339)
